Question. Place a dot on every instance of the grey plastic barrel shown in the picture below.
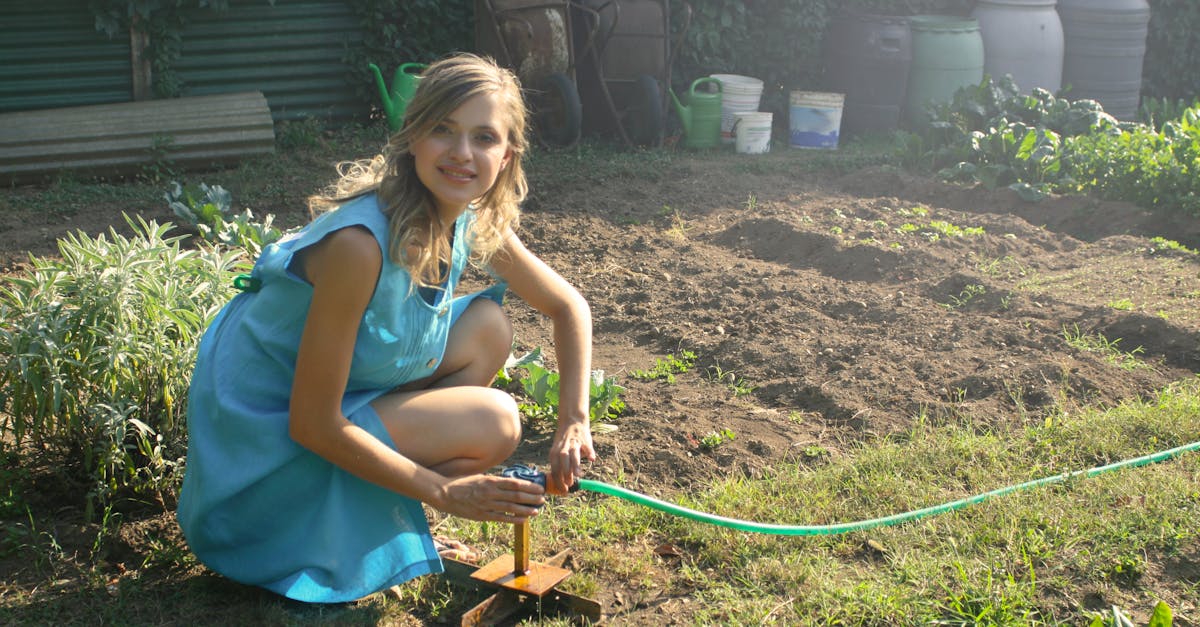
(1024, 39)
(1104, 46)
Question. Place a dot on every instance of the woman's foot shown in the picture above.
(455, 550)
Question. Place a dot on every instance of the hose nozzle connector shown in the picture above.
(531, 474)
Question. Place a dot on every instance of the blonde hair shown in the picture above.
(411, 210)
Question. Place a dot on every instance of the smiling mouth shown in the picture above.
(457, 174)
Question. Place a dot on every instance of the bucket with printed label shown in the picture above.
(815, 119)
(752, 132)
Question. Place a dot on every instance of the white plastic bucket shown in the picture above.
(752, 132)
(816, 119)
(738, 94)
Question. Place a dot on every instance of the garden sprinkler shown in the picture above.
(521, 584)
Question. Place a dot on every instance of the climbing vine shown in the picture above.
(1172, 67)
(162, 22)
(405, 31)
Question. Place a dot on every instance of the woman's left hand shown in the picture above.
(572, 444)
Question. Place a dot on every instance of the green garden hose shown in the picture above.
(886, 521)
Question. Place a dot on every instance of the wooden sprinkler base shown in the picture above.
(522, 586)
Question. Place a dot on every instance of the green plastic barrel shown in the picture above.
(947, 54)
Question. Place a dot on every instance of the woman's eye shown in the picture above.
(441, 129)
(488, 138)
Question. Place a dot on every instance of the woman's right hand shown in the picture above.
(492, 498)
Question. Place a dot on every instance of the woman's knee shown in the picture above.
(505, 423)
(491, 324)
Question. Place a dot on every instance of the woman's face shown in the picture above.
(459, 160)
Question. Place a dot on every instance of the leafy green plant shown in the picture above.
(1156, 112)
(541, 387)
(737, 385)
(208, 210)
(964, 298)
(1140, 165)
(713, 439)
(666, 369)
(96, 349)
(1162, 243)
(1161, 617)
(1037, 143)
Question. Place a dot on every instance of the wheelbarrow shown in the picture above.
(625, 55)
(533, 39)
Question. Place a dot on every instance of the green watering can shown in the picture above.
(404, 85)
(701, 118)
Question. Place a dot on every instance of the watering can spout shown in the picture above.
(384, 96)
(684, 113)
(404, 85)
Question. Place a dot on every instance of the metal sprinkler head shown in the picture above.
(521, 584)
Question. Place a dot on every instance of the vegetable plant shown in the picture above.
(541, 387)
(714, 439)
(208, 210)
(666, 369)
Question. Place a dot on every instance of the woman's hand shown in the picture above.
(487, 497)
(572, 444)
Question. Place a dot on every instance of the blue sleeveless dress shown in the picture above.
(259, 508)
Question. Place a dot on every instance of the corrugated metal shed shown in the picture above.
(291, 51)
(52, 56)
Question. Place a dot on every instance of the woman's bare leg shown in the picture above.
(456, 424)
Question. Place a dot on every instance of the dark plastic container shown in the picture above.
(868, 58)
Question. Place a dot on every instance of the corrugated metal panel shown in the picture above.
(123, 137)
(291, 51)
(52, 56)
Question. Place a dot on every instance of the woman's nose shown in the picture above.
(460, 148)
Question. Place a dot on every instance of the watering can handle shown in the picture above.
(706, 79)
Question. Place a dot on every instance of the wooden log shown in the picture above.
(124, 138)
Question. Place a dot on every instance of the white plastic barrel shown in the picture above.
(1023, 38)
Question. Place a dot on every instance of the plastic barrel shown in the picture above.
(1105, 44)
(1023, 38)
(868, 57)
(947, 55)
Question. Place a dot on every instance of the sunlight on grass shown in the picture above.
(1001, 561)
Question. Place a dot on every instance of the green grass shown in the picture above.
(1033, 557)
(1109, 349)
(1008, 560)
